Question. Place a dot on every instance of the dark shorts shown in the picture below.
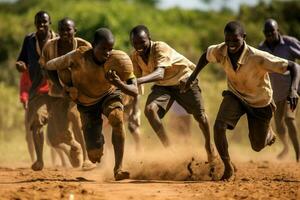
(164, 96)
(232, 108)
(91, 118)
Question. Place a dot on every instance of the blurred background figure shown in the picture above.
(25, 85)
(289, 48)
(38, 98)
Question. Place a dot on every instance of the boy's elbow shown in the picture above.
(292, 66)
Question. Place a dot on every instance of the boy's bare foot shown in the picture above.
(75, 157)
(212, 159)
(228, 174)
(121, 175)
(37, 166)
(95, 154)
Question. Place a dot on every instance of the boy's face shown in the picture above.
(234, 41)
(271, 33)
(140, 42)
(42, 23)
(102, 50)
(66, 31)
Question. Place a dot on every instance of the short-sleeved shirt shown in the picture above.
(288, 48)
(50, 51)
(250, 81)
(30, 54)
(177, 67)
(88, 77)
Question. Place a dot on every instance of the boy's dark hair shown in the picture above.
(234, 27)
(138, 29)
(65, 20)
(102, 34)
(41, 13)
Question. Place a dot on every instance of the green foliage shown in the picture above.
(286, 13)
(12, 115)
(188, 31)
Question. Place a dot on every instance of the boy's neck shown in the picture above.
(43, 35)
(234, 57)
(145, 56)
(100, 63)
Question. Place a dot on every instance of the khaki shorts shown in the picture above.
(39, 108)
(64, 116)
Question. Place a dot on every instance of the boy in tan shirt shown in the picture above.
(249, 90)
(157, 62)
(98, 75)
(64, 112)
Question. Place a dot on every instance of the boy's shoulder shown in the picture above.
(221, 48)
(119, 58)
(160, 46)
(218, 51)
(82, 42)
(289, 40)
(82, 50)
(30, 36)
(51, 42)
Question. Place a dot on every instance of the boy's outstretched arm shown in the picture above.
(156, 75)
(294, 69)
(201, 64)
(59, 63)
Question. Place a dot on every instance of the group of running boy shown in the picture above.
(73, 83)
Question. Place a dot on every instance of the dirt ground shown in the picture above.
(160, 176)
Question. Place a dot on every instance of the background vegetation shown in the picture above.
(188, 31)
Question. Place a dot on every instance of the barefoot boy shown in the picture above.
(99, 74)
(249, 89)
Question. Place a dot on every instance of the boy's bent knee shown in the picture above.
(201, 117)
(150, 109)
(115, 117)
